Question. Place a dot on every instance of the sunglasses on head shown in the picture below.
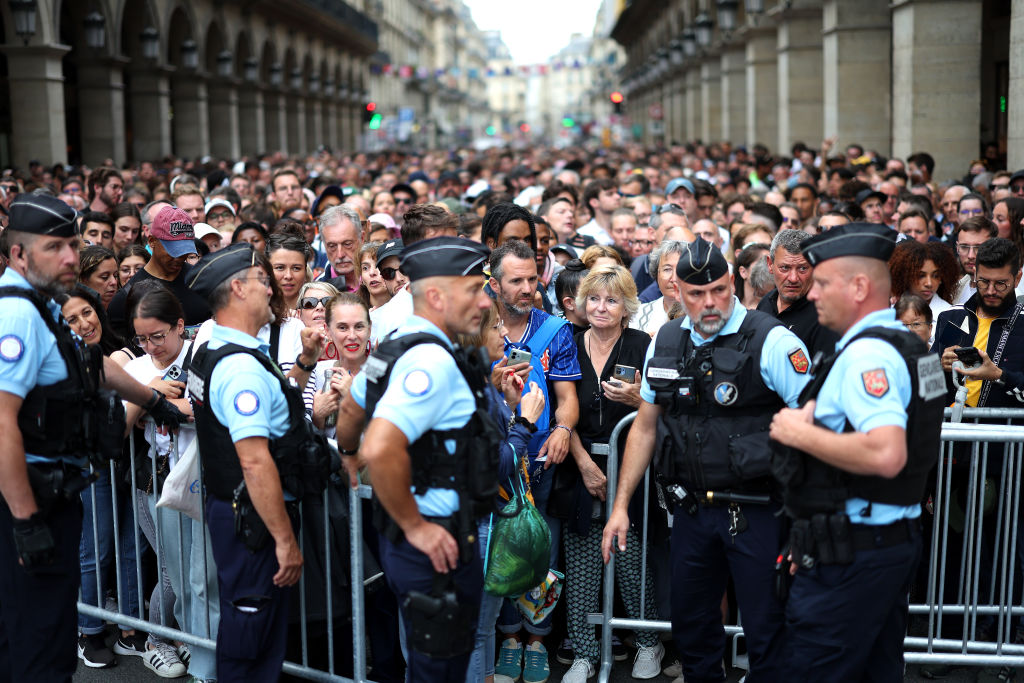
(388, 273)
(310, 302)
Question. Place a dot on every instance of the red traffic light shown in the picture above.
(616, 97)
(371, 106)
(525, 127)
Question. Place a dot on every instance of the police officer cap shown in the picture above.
(853, 239)
(443, 256)
(42, 215)
(214, 268)
(701, 263)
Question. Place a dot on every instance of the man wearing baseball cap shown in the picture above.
(680, 192)
(171, 240)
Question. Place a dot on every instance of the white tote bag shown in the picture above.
(183, 487)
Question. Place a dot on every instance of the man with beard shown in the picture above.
(341, 238)
(554, 367)
(711, 384)
(968, 238)
(106, 187)
(990, 318)
(449, 185)
(788, 301)
(49, 381)
(171, 239)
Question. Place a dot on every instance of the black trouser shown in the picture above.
(38, 615)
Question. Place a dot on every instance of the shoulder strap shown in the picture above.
(671, 338)
(545, 333)
(275, 340)
(379, 364)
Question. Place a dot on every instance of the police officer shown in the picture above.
(860, 447)
(712, 383)
(425, 439)
(252, 433)
(53, 413)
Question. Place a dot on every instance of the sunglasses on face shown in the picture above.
(311, 302)
(388, 273)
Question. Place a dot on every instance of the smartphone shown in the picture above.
(516, 356)
(625, 373)
(968, 355)
(172, 373)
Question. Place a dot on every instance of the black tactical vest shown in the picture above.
(302, 457)
(70, 418)
(811, 486)
(472, 471)
(713, 431)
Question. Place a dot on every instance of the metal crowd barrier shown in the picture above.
(972, 593)
(302, 668)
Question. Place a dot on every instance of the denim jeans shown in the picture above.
(481, 663)
(128, 586)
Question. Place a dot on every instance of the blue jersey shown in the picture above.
(29, 356)
(425, 392)
(777, 369)
(869, 386)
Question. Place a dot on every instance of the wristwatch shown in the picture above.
(303, 366)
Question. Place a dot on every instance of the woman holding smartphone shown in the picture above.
(611, 355)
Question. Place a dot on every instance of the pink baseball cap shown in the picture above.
(173, 228)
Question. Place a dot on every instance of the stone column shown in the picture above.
(295, 107)
(331, 122)
(694, 108)
(150, 97)
(679, 106)
(191, 116)
(856, 45)
(711, 99)
(225, 139)
(1015, 104)
(252, 129)
(762, 86)
(36, 79)
(800, 76)
(276, 121)
(314, 122)
(734, 94)
(936, 89)
(101, 111)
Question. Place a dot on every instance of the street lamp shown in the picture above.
(275, 73)
(689, 38)
(189, 54)
(24, 13)
(95, 35)
(329, 88)
(252, 69)
(314, 83)
(727, 14)
(704, 26)
(675, 51)
(224, 63)
(296, 80)
(663, 62)
(150, 39)
(755, 6)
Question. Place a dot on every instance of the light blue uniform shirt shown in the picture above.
(426, 391)
(244, 397)
(844, 396)
(777, 369)
(29, 356)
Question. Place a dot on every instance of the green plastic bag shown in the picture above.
(518, 548)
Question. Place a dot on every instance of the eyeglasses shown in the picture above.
(311, 302)
(156, 339)
(219, 216)
(999, 286)
(264, 280)
(388, 273)
(915, 326)
(967, 248)
(971, 212)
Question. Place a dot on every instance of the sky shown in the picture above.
(534, 30)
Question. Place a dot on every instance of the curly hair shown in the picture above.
(907, 260)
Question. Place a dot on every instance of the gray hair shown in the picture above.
(146, 218)
(790, 240)
(220, 297)
(656, 217)
(666, 247)
(760, 278)
(338, 213)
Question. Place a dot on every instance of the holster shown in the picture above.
(249, 526)
(442, 627)
(823, 538)
(56, 482)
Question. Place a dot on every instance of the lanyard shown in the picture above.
(998, 355)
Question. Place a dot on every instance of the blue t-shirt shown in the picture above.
(29, 356)
(870, 386)
(426, 391)
(777, 368)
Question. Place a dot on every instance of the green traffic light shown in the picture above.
(375, 122)
(491, 130)
(568, 122)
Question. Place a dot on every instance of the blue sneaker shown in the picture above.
(536, 669)
(510, 662)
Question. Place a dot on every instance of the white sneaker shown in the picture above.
(579, 672)
(648, 661)
(673, 670)
(163, 661)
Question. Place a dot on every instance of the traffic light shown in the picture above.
(567, 122)
(491, 130)
(369, 112)
(524, 127)
(375, 122)
(616, 98)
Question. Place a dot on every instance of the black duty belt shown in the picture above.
(868, 537)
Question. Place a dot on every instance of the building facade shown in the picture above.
(896, 76)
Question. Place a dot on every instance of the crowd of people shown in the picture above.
(596, 284)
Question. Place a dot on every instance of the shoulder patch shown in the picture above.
(11, 348)
(416, 383)
(246, 403)
(875, 382)
(798, 359)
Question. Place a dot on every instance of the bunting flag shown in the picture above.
(453, 73)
